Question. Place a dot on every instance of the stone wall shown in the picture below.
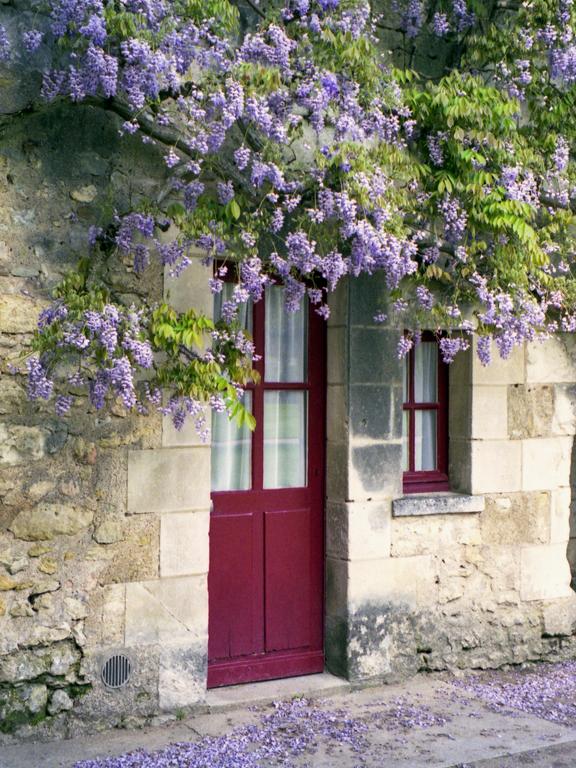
(70, 545)
(475, 578)
(104, 519)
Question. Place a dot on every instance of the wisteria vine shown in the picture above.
(307, 141)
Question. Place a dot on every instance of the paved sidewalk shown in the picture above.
(492, 720)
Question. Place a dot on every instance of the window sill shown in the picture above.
(437, 504)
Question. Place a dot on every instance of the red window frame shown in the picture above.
(424, 481)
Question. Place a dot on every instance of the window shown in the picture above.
(425, 419)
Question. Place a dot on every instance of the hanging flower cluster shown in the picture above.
(299, 149)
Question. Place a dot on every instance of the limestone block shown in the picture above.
(433, 535)
(564, 418)
(60, 702)
(336, 576)
(460, 396)
(338, 303)
(502, 565)
(45, 521)
(336, 471)
(337, 372)
(549, 362)
(12, 395)
(35, 697)
(108, 532)
(182, 675)
(7, 584)
(517, 518)
(19, 314)
(489, 412)
(166, 610)
(530, 410)
(544, 572)
(179, 438)
(76, 609)
(169, 480)
(561, 500)
(358, 530)
(375, 470)
(336, 413)
(85, 194)
(113, 614)
(460, 465)
(546, 463)
(184, 543)
(190, 290)
(496, 466)
(20, 444)
(559, 617)
(509, 371)
(137, 559)
(408, 580)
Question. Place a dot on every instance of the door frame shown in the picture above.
(284, 664)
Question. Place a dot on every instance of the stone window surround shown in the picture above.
(449, 502)
(458, 500)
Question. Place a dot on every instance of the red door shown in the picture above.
(266, 575)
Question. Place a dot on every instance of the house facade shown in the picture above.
(385, 517)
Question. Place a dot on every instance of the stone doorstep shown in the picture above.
(253, 694)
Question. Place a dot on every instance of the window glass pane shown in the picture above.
(286, 335)
(244, 312)
(426, 372)
(425, 441)
(405, 438)
(231, 452)
(285, 430)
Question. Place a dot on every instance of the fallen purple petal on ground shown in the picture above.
(547, 691)
(292, 730)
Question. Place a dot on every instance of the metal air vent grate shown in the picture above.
(116, 671)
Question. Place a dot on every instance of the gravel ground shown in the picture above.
(520, 717)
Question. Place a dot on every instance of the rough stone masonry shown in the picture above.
(104, 518)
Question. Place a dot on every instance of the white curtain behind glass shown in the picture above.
(425, 372)
(425, 391)
(231, 445)
(285, 422)
(285, 346)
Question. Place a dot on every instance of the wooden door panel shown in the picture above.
(267, 548)
(234, 586)
(287, 578)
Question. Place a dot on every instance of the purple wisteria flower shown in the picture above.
(440, 24)
(32, 40)
(5, 48)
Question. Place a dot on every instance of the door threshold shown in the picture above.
(252, 694)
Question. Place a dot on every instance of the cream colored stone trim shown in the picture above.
(437, 504)
(168, 480)
(184, 547)
(166, 611)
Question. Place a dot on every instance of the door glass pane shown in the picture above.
(285, 430)
(231, 452)
(405, 437)
(405, 374)
(244, 311)
(425, 434)
(286, 336)
(426, 372)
